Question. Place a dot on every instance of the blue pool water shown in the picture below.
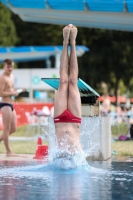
(39, 180)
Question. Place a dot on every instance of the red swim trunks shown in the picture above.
(67, 116)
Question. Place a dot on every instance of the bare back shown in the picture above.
(68, 135)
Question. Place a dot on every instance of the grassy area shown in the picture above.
(21, 131)
(123, 148)
(25, 131)
(119, 129)
(20, 147)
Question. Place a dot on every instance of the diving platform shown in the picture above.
(90, 105)
(32, 53)
(84, 88)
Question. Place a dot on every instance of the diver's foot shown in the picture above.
(73, 33)
(11, 154)
(66, 34)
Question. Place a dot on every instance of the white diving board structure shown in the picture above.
(88, 94)
(106, 14)
(84, 88)
(32, 53)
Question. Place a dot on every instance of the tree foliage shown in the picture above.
(8, 36)
(109, 59)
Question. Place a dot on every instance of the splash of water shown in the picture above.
(69, 161)
(88, 142)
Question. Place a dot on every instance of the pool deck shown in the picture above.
(18, 157)
(30, 157)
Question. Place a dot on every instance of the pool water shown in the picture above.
(38, 180)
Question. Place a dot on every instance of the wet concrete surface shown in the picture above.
(30, 157)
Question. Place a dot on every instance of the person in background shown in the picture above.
(106, 105)
(7, 91)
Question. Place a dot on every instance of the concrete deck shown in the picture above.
(18, 157)
(30, 157)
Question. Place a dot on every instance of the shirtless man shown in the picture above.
(6, 106)
(67, 104)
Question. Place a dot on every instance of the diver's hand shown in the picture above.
(15, 93)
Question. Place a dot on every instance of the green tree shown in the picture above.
(36, 34)
(109, 59)
(8, 36)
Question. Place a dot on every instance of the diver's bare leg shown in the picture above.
(60, 103)
(13, 123)
(73, 55)
(7, 118)
(74, 100)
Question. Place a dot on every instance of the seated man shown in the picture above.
(67, 105)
